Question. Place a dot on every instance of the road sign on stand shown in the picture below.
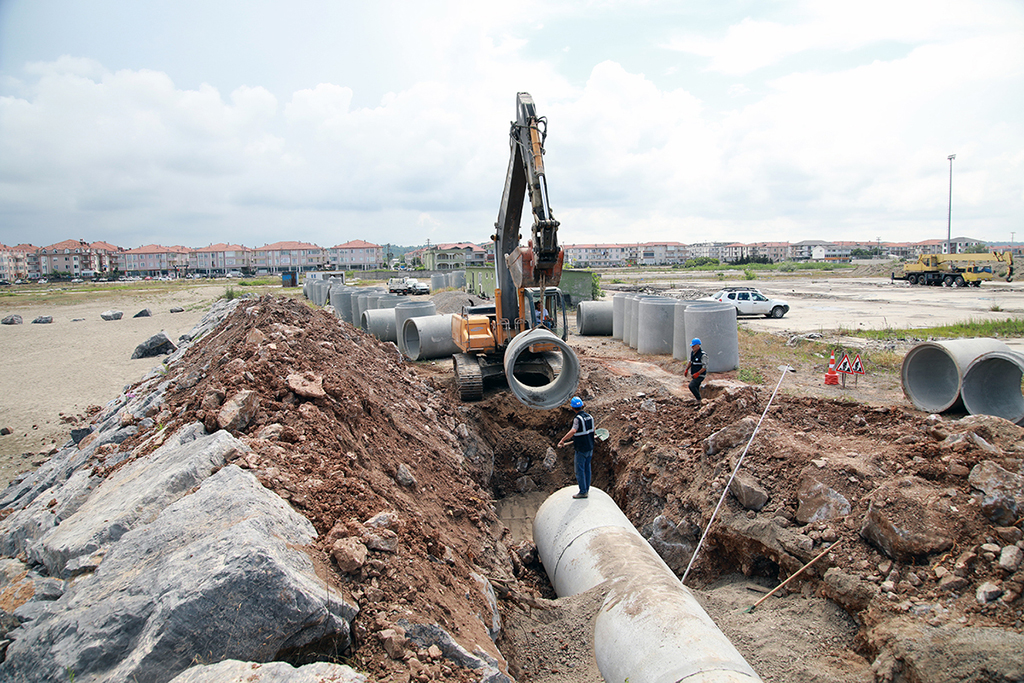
(858, 366)
(844, 365)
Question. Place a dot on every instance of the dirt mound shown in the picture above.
(381, 457)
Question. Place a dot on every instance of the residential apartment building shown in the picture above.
(453, 256)
(356, 255)
(280, 257)
(13, 261)
(775, 251)
(599, 255)
(153, 260)
(219, 259)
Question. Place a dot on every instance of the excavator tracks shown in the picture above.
(468, 377)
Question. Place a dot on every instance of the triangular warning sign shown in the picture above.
(858, 366)
(844, 365)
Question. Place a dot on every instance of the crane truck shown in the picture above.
(526, 296)
(955, 270)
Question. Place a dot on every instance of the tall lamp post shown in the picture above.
(949, 224)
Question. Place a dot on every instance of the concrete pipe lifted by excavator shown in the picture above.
(540, 367)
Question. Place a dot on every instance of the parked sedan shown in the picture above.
(750, 301)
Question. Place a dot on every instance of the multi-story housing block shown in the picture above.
(153, 260)
(452, 256)
(288, 256)
(14, 261)
(356, 255)
(599, 255)
(219, 259)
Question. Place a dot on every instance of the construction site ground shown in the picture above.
(480, 470)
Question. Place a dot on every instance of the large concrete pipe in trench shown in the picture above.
(933, 372)
(380, 322)
(655, 320)
(618, 314)
(680, 340)
(650, 628)
(991, 385)
(428, 337)
(714, 324)
(411, 309)
(594, 318)
(521, 365)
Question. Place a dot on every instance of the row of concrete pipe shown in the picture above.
(981, 376)
(659, 325)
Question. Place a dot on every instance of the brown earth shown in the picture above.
(344, 429)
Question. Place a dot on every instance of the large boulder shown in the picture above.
(234, 671)
(111, 315)
(1001, 492)
(12, 319)
(907, 520)
(220, 572)
(157, 345)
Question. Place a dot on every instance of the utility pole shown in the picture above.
(949, 224)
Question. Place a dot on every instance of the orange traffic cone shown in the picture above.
(832, 377)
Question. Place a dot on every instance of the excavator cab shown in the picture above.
(549, 312)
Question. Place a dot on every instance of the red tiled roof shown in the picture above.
(286, 246)
(357, 244)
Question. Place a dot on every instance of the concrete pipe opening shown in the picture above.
(594, 318)
(428, 337)
(380, 322)
(932, 372)
(544, 376)
(992, 385)
(650, 627)
(411, 309)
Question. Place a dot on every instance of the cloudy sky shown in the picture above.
(192, 122)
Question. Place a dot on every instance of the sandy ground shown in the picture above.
(77, 361)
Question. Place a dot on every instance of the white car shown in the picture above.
(750, 301)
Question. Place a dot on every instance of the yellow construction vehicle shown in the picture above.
(955, 270)
(522, 336)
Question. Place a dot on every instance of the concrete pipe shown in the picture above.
(380, 322)
(656, 317)
(335, 297)
(349, 304)
(618, 314)
(365, 301)
(628, 320)
(411, 309)
(594, 318)
(390, 300)
(541, 379)
(428, 337)
(932, 372)
(991, 385)
(436, 282)
(459, 279)
(680, 341)
(650, 627)
(714, 324)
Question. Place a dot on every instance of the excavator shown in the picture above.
(521, 337)
(955, 270)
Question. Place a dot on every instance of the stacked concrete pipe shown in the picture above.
(650, 627)
(655, 323)
(349, 304)
(618, 314)
(680, 340)
(437, 282)
(991, 385)
(365, 301)
(518, 358)
(714, 324)
(411, 309)
(933, 372)
(594, 318)
(428, 337)
(338, 290)
(380, 322)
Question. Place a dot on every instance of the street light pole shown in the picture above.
(949, 224)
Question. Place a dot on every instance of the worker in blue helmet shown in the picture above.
(582, 435)
(697, 368)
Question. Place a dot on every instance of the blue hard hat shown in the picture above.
(576, 402)
(695, 342)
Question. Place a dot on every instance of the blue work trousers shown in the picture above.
(583, 459)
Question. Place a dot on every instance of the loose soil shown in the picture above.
(345, 429)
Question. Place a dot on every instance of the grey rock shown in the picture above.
(13, 319)
(848, 590)
(550, 460)
(1010, 558)
(238, 410)
(404, 477)
(193, 582)
(157, 345)
(177, 309)
(144, 313)
(235, 671)
(673, 544)
(78, 434)
(112, 315)
(425, 635)
(1002, 492)
(818, 502)
(730, 436)
(43, 320)
(987, 592)
(134, 496)
(748, 491)
(907, 528)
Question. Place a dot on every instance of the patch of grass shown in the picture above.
(230, 294)
(751, 376)
(1011, 327)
